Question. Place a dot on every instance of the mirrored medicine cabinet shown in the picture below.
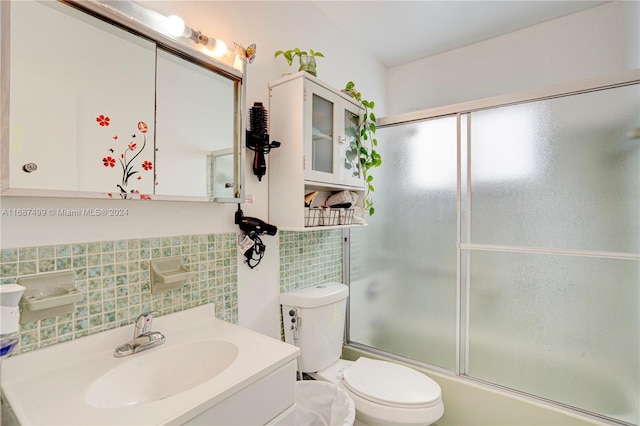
(102, 104)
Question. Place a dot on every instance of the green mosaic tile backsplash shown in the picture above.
(309, 258)
(113, 277)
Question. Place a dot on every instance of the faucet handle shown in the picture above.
(143, 323)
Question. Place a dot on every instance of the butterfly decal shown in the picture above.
(246, 55)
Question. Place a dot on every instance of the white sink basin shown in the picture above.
(207, 372)
(160, 373)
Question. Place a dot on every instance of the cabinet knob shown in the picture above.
(30, 167)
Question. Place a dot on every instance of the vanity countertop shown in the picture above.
(49, 386)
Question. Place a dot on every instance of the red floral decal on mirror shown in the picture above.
(128, 166)
(142, 126)
(103, 120)
(109, 161)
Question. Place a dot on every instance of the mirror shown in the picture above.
(221, 164)
(194, 115)
(98, 110)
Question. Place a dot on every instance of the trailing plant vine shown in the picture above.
(365, 143)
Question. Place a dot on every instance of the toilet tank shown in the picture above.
(319, 313)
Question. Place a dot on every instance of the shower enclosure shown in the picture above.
(506, 247)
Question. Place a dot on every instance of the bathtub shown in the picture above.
(471, 403)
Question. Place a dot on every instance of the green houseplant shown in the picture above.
(365, 142)
(307, 59)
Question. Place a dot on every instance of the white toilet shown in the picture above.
(384, 392)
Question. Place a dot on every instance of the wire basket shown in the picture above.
(326, 216)
(346, 216)
(330, 217)
(312, 216)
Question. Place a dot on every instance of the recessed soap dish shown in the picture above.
(59, 297)
(168, 274)
(48, 295)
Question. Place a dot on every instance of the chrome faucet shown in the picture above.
(143, 324)
(143, 337)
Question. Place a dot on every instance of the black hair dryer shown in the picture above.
(258, 138)
(252, 246)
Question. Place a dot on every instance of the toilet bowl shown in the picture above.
(384, 392)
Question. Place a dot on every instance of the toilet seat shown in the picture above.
(391, 384)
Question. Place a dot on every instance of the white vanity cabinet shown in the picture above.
(208, 372)
(316, 125)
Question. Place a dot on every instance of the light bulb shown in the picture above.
(220, 48)
(176, 27)
(214, 47)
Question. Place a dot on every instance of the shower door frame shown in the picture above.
(463, 225)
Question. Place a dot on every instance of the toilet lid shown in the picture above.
(391, 384)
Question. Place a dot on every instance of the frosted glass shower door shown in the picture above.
(403, 265)
(553, 257)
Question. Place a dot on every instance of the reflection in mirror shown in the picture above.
(194, 114)
(110, 111)
(221, 173)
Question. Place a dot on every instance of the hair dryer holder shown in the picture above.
(258, 138)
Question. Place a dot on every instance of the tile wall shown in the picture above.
(309, 258)
(113, 276)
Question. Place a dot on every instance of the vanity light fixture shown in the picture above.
(177, 28)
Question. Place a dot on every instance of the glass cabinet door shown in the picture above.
(322, 135)
(348, 162)
(331, 154)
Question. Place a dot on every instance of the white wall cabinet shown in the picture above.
(316, 125)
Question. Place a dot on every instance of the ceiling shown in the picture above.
(396, 32)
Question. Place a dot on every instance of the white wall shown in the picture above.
(272, 26)
(590, 43)
(595, 42)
